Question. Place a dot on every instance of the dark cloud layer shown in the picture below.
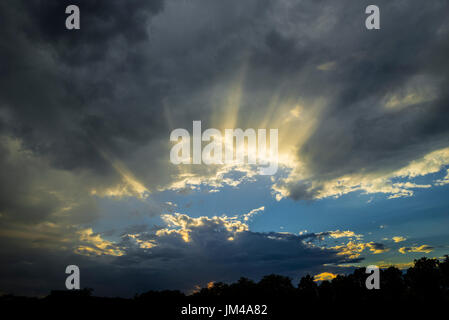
(172, 263)
(138, 69)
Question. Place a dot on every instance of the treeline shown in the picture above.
(426, 283)
(427, 279)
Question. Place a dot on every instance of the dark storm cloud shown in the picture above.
(356, 134)
(59, 86)
(59, 97)
(138, 69)
(80, 100)
(103, 23)
(118, 86)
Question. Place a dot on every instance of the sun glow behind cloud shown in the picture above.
(302, 116)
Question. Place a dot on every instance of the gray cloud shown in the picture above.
(356, 133)
(120, 85)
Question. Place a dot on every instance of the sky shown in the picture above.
(86, 117)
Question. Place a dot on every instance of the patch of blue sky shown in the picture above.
(423, 215)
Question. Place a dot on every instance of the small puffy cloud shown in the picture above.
(340, 234)
(336, 234)
(398, 239)
(327, 66)
(444, 180)
(377, 248)
(324, 276)
(353, 249)
(144, 244)
(253, 212)
(95, 245)
(424, 249)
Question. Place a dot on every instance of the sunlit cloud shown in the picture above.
(353, 249)
(443, 181)
(183, 225)
(96, 245)
(129, 186)
(344, 234)
(399, 239)
(431, 163)
(324, 276)
(249, 215)
(417, 90)
(144, 244)
(423, 248)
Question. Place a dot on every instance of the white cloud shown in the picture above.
(253, 212)
(443, 181)
(340, 234)
(369, 183)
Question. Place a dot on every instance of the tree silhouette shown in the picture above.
(426, 281)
